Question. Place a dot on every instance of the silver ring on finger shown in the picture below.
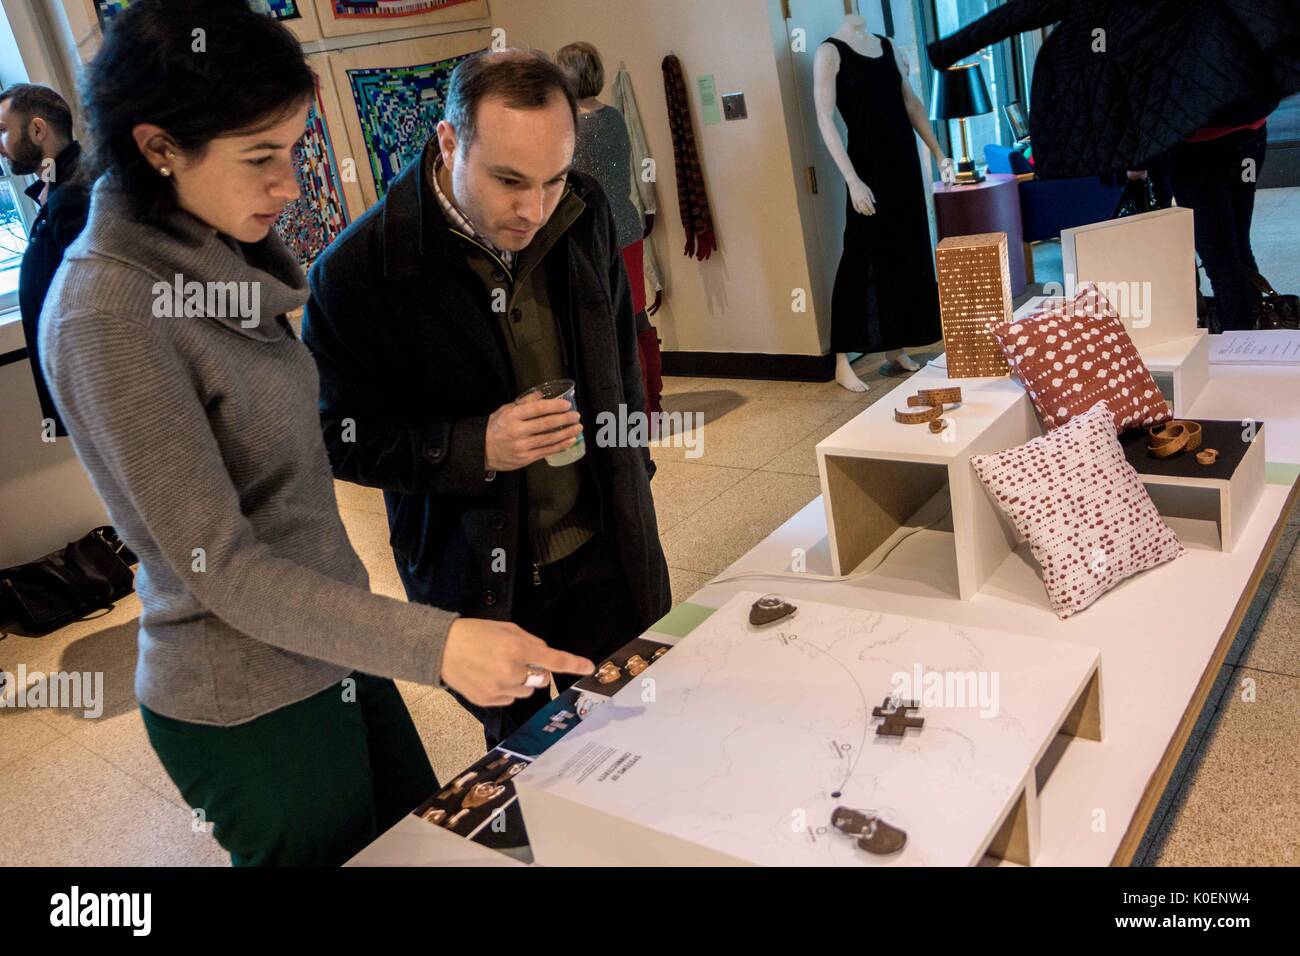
(537, 677)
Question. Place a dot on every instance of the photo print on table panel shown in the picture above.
(504, 828)
(548, 725)
(313, 220)
(469, 798)
(616, 672)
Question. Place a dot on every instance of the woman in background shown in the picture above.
(266, 666)
(604, 151)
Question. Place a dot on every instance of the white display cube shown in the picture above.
(1181, 368)
(1146, 267)
(880, 477)
(1225, 492)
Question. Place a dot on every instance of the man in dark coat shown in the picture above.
(1119, 82)
(36, 139)
(488, 268)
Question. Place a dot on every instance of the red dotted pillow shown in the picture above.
(1076, 353)
(1088, 519)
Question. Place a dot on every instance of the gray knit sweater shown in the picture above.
(196, 417)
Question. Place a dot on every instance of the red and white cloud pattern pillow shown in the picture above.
(1076, 353)
(1088, 519)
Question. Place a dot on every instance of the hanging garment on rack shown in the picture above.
(643, 193)
(692, 199)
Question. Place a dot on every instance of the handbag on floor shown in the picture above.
(1273, 310)
(86, 575)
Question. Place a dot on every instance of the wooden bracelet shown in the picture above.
(928, 413)
(935, 396)
(1174, 437)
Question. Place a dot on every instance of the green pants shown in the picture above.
(310, 784)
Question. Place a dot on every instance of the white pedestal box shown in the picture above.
(1181, 368)
(1225, 492)
(737, 745)
(1145, 266)
(878, 476)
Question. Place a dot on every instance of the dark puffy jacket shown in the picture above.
(1167, 68)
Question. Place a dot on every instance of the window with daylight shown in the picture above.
(1006, 67)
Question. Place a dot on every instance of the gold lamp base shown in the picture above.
(966, 171)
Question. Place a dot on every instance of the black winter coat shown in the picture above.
(408, 349)
(58, 223)
(1168, 68)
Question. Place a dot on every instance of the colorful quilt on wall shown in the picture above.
(280, 9)
(315, 218)
(360, 9)
(399, 109)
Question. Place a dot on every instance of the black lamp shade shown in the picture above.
(959, 91)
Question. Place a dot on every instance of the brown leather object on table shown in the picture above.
(927, 413)
(935, 396)
(1172, 438)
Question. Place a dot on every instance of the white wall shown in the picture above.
(46, 499)
(740, 299)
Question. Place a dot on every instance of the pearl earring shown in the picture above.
(165, 170)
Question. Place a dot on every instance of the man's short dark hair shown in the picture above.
(522, 79)
(29, 101)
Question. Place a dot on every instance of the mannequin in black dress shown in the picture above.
(885, 293)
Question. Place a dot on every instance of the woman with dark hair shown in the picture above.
(266, 666)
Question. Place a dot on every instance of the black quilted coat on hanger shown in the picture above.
(1168, 68)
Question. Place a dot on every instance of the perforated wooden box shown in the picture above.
(974, 290)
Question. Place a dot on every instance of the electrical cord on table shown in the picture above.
(832, 578)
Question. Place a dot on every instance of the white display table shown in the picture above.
(412, 842)
(1095, 799)
(754, 736)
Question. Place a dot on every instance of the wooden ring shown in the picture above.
(938, 425)
(1208, 457)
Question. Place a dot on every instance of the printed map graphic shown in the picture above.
(749, 732)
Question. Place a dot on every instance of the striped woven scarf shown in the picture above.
(691, 196)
